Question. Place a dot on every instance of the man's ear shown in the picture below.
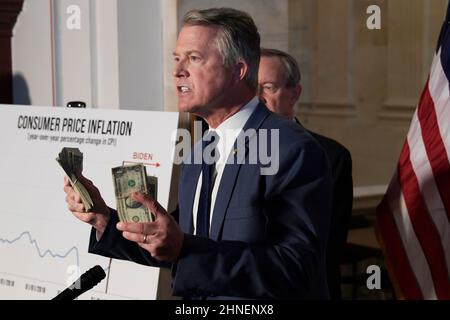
(240, 70)
(296, 92)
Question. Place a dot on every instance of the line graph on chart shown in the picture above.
(42, 272)
(43, 253)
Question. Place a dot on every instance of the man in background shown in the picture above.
(279, 87)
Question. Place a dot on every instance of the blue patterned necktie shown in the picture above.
(208, 168)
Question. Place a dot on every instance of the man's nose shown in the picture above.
(261, 95)
(180, 70)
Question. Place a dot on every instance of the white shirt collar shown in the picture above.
(231, 127)
(238, 120)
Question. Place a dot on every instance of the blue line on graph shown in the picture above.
(43, 254)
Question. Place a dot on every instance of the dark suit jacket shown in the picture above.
(268, 232)
(341, 170)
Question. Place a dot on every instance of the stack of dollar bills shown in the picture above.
(71, 160)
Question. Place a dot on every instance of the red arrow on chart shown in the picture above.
(156, 164)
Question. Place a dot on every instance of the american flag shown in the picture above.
(413, 219)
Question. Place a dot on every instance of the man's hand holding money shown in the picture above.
(162, 238)
(98, 216)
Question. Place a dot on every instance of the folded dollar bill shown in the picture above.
(71, 160)
(129, 179)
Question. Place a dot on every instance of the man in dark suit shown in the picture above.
(245, 228)
(279, 88)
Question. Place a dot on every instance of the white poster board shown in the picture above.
(41, 244)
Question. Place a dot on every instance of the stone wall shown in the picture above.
(360, 86)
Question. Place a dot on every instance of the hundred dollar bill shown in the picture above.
(71, 160)
(129, 179)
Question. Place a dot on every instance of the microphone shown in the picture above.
(87, 281)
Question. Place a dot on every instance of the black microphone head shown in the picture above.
(92, 277)
(84, 283)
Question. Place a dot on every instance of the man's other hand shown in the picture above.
(98, 217)
(162, 238)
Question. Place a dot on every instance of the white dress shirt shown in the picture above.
(227, 132)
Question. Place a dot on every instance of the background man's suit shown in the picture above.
(341, 170)
(268, 232)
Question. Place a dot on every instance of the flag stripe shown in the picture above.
(423, 225)
(413, 249)
(437, 154)
(428, 188)
(439, 91)
(397, 254)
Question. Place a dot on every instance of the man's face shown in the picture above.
(272, 87)
(200, 76)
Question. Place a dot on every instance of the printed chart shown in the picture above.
(43, 248)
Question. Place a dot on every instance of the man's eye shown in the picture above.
(269, 88)
(176, 59)
(194, 58)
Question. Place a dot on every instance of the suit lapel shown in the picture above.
(227, 183)
(230, 174)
